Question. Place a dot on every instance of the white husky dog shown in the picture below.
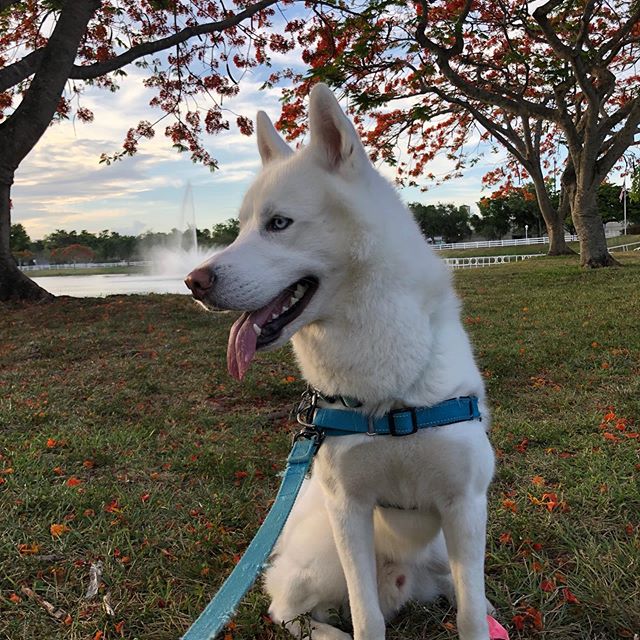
(330, 258)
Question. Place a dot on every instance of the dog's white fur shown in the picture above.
(383, 327)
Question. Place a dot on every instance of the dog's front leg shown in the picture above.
(352, 527)
(464, 525)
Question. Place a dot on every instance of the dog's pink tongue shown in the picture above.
(246, 344)
(243, 339)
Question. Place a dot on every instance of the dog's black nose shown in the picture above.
(200, 280)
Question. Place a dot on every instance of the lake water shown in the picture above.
(98, 286)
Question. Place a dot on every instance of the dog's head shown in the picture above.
(295, 240)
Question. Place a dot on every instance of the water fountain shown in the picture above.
(169, 265)
(183, 254)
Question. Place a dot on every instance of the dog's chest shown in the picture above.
(414, 472)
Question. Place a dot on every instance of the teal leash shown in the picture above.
(222, 608)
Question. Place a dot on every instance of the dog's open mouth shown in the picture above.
(256, 329)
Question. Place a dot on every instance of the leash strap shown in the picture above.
(220, 610)
(399, 422)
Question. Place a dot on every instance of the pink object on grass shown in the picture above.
(496, 630)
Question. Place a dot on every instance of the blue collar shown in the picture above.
(398, 422)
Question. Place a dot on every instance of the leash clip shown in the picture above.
(304, 413)
(306, 408)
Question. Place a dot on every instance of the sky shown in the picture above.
(61, 184)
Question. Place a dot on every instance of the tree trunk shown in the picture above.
(20, 132)
(567, 190)
(553, 219)
(594, 252)
(14, 285)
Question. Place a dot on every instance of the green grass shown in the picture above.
(527, 248)
(177, 463)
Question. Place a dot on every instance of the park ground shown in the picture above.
(123, 440)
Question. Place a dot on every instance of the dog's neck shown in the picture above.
(386, 356)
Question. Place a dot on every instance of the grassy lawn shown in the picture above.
(123, 440)
(527, 248)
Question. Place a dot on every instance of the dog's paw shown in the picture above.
(329, 633)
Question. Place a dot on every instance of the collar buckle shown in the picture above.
(393, 425)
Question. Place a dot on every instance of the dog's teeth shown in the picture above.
(284, 309)
(300, 289)
(293, 301)
(274, 316)
(257, 329)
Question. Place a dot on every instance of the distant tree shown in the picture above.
(634, 191)
(20, 240)
(509, 211)
(226, 232)
(73, 253)
(24, 257)
(60, 238)
(110, 246)
(442, 220)
(204, 237)
(610, 205)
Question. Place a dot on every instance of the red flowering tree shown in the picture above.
(50, 50)
(72, 254)
(438, 71)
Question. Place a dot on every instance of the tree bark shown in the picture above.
(14, 285)
(553, 219)
(594, 252)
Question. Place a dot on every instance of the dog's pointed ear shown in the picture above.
(270, 145)
(332, 135)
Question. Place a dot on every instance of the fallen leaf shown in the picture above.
(547, 586)
(28, 549)
(113, 507)
(569, 597)
(505, 538)
(57, 530)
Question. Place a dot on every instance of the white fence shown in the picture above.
(484, 244)
(485, 261)
(513, 242)
(631, 246)
(84, 265)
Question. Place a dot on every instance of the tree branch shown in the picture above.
(21, 70)
(620, 141)
(473, 90)
(618, 40)
(565, 52)
(18, 71)
(22, 130)
(91, 71)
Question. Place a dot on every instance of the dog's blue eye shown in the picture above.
(278, 223)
